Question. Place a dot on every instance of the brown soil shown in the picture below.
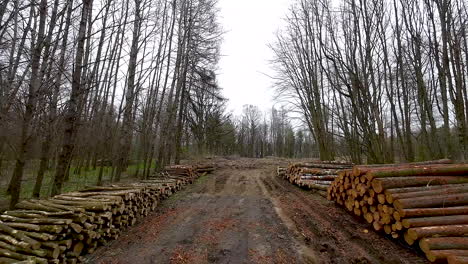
(245, 214)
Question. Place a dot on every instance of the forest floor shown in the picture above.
(243, 213)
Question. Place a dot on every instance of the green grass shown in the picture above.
(202, 179)
(76, 181)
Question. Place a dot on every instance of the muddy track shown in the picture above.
(245, 215)
(336, 236)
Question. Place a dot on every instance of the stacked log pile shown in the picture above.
(421, 202)
(317, 175)
(207, 169)
(65, 227)
(281, 172)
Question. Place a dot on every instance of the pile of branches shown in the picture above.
(64, 228)
(314, 175)
(422, 202)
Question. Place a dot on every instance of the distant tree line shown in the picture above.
(97, 83)
(258, 134)
(378, 81)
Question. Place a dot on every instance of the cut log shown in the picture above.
(54, 229)
(20, 236)
(420, 212)
(14, 255)
(441, 255)
(51, 254)
(457, 259)
(42, 236)
(435, 221)
(36, 206)
(461, 169)
(432, 201)
(416, 233)
(4, 260)
(39, 221)
(62, 207)
(379, 184)
(424, 188)
(446, 190)
(13, 241)
(438, 243)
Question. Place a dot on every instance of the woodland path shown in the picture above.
(244, 214)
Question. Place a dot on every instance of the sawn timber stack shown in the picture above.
(64, 228)
(425, 203)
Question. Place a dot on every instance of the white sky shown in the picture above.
(250, 26)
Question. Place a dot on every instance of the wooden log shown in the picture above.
(13, 241)
(39, 221)
(66, 243)
(54, 229)
(435, 221)
(20, 236)
(420, 212)
(322, 166)
(14, 255)
(446, 189)
(379, 184)
(28, 205)
(328, 178)
(88, 206)
(78, 248)
(43, 253)
(317, 186)
(416, 233)
(423, 188)
(362, 169)
(62, 207)
(42, 236)
(439, 243)
(431, 201)
(36, 213)
(461, 169)
(4, 260)
(452, 259)
(318, 172)
(442, 255)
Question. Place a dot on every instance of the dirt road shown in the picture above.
(247, 215)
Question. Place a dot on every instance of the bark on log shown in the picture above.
(457, 259)
(421, 212)
(461, 169)
(447, 189)
(13, 241)
(28, 205)
(39, 221)
(432, 201)
(362, 169)
(439, 243)
(421, 188)
(14, 255)
(435, 221)
(379, 184)
(43, 253)
(20, 236)
(4, 260)
(416, 233)
(442, 255)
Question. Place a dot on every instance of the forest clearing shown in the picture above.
(239, 210)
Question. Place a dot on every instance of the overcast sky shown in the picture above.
(250, 26)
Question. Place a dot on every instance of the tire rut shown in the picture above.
(337, 234)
